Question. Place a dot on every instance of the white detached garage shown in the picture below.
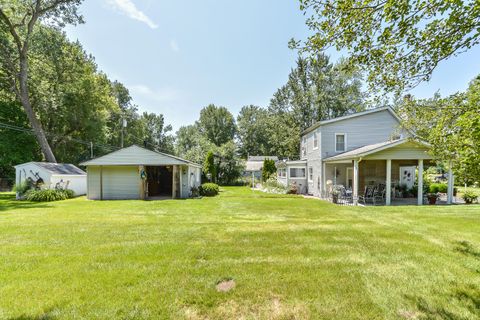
(138, 173)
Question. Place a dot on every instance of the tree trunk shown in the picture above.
(32, 117)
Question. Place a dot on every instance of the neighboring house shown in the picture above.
(254, 165)
(356, 150)
(138, 173)
(52, 175)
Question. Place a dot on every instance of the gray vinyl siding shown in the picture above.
(314, 160)
(185, 182)
(93, 183)
(360, 131)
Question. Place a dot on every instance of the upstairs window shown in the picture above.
(315, 140)
(310, 174)
(297, 172)
(304, 147)
(340, 142)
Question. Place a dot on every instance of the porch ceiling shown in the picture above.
(402, 149)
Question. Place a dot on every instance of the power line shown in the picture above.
(31, 131)
(155, 146)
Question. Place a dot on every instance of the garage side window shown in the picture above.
(297, 172)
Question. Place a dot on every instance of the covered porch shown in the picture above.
(388, 173)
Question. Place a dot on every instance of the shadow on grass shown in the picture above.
(467, 297)
(467, 248)
(8, 202)
(46, 315)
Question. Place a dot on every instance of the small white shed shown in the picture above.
(52, 175)
(139, 173)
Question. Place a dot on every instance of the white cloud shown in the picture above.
(128, 7)
(174, 46)
(165, 94)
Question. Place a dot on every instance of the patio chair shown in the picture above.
(379, 193)
(345, 195)
(368, 195)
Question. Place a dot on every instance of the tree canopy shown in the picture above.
(452, 126)
(75, 104)
(19, 21)
(217, 124)
(397, 43)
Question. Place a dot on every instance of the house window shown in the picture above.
(315, 140)
(282, 173)
(297, 172)
(340, 142)
(310, 174)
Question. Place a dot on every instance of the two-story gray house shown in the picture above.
(357, 150)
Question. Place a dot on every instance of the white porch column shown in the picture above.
(355, 182)
(450, 184)
(388, 187)
(420, 182)
(324, 181)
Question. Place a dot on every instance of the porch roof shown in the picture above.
(394, 149)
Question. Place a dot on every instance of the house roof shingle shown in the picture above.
(135, 155)
(58, 168)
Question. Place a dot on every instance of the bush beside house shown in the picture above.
(209, 189)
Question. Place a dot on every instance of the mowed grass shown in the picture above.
(291, 258)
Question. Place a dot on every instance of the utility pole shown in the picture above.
(91, 149)
(124, 125)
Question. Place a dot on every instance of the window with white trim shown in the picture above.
(310, 174)
(315, 140)
(297, 172)
(282, 173)
(340, 142)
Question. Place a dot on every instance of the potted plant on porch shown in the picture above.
(335, 194)
(432, 198)
(469, 197)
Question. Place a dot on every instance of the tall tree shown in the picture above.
(316, 90)
(217, 124)
(398, 43)
(252, 131)
(24, 147)
(155, 133)
(19, 19)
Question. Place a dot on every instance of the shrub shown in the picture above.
(438, 187)
(470, 197)
(47, 195)
(268, 169)
(69, 193)
(293, 189)
(273, 186)
(209, 189)
(21, 188)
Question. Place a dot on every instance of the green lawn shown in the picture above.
(291, 258)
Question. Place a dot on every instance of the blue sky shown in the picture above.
(176, 57)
